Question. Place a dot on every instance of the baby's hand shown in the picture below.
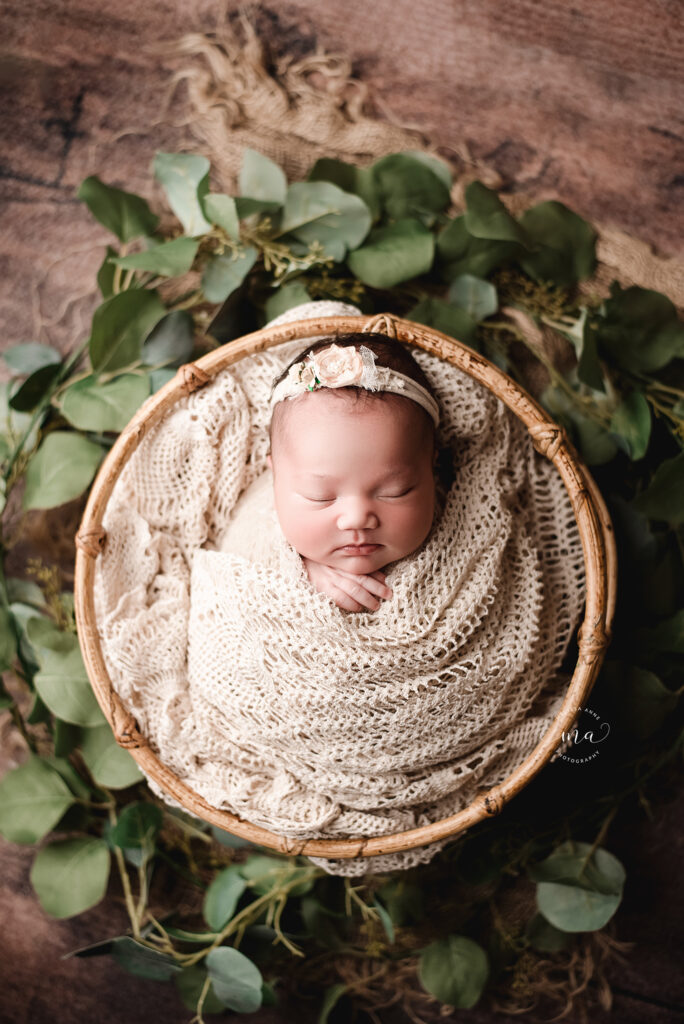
(352, 591)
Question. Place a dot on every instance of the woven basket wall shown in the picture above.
(549, 440)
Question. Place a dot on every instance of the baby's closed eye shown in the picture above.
(323, 500)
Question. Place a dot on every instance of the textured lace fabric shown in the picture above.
(273, 703)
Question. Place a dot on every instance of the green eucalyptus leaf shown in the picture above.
(67, 771)
(246, 206)
(435, 163)
(639, 330)
(60, 470)
(158, 378)
(643, 704)
(91, 405)
(62, 683)
(664, 496)
(589, 367)
(228, 839)
(224, 274)
(170, 259)
(39, 713)
(237, 981)
(71, 875)
(319, 922)
(126, 215)
(261, 178)
(222, 210)
(171, 341)
(222, 896)
(487, 217)
(331, 998)
(404, 901)
(566, 244)
(666, 636)
(445, 318)
(25, 591)
(120, 325)
(289, 295)
(631, 423)
(385, 919)
(357, 180)
(33, 797)
(138, 826)
(13, 422)
(393, 254)
(44, 634)
(269, 996)
(596, 445)
(108, 763)
(185, 178)
(455, 970)
(143, 962)
(474, 295)
(578, 889)
(543, 937)
(105, 275)
(265, 872)
(66, 737)
(22, 614)
(25, 359)
(408, 187)
(460, 253)
(190, 984)
(318, 211)
(35, 388)
(8, 639)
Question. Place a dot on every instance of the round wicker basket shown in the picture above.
(548, 438)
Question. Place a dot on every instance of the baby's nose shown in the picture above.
(357, 514)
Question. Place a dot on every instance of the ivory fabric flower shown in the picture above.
(303, 373)
(337, 367)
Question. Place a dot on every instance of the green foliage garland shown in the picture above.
(385, 238)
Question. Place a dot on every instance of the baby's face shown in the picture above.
(349, 474)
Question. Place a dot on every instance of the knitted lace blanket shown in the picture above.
(273, 703)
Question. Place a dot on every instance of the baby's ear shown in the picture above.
(269, 460)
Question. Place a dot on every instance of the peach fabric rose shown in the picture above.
(336, 367)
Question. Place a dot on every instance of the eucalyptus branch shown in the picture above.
(118, 270)
(187, 302)
(20, 725)
(198, 1019)
(599, 838)
(586, 405)
(125, 880)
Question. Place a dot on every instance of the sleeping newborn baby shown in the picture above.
(353, 453)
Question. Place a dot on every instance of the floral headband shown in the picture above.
(339, 367)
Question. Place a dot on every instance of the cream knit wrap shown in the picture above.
(269, 700)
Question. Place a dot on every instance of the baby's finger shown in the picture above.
(343, 600)
(370, 582)
(357, 591)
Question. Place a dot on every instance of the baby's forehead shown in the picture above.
(367, 424)
(343, 407)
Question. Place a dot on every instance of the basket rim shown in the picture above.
(549, 439)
